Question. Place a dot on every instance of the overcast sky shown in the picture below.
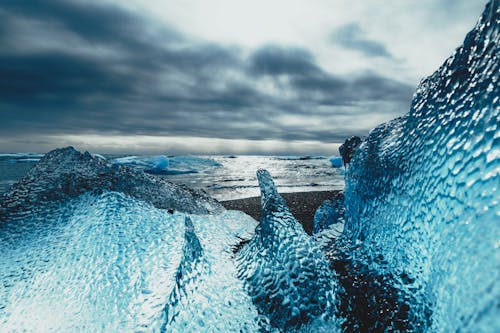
(218, 76)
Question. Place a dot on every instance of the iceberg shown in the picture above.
(161, 164)
(65, 173)
(422, 194)
(286, 274)
(336, 161)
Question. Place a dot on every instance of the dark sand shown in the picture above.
(303, 205)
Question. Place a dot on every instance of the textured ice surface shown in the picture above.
(329, 213)
(285, 272)
(423, 193)
(111, 263)
(65, 173)
(208, 296)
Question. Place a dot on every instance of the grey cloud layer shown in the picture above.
(70, 67)
(351, 36)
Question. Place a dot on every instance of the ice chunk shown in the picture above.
(423, 193)
(160, 162)
(336, 161)
(65, 172)
(93, 263)
(348, 149)
(112, 263)
(208, 296)
(286, 274)
(162, 165)
(21, 157)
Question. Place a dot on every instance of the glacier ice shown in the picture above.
(285, 272)
(92, 263)
(208, 296)
(161, 164)
(422, 194)
(109, 262)
(329, 213)
(336, 161)
(65, 173)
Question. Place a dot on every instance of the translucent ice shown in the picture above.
(423, 193)
(285, 273)
(65, 173)
(336, 161)
(208, 296)
(162, 165)
(329, 213)
(111, 263)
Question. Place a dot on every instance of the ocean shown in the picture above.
(223, 177)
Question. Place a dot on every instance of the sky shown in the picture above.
(218, 76)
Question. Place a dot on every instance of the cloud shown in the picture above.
(313, 84)
(351, 36)
(276, 60)
(93, 69)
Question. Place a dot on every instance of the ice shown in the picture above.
(161, 164)
(285, 272)
(423, 193)
(208, 296)
(93, 263)
(329, 213)
(112, 263)
(151, 164)
(336, 161)
(65, 173)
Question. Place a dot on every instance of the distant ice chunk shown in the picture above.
(21, 157)
(336, 161)
(161, 164)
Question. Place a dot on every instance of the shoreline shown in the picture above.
(303, 205)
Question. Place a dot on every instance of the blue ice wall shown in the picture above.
(422, 194)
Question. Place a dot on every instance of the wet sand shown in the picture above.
(303, 205)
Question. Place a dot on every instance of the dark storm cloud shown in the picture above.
(351, 36)
(314, 84)
(275, 60)
(74, 67)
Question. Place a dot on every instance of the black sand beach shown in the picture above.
(303, 205)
